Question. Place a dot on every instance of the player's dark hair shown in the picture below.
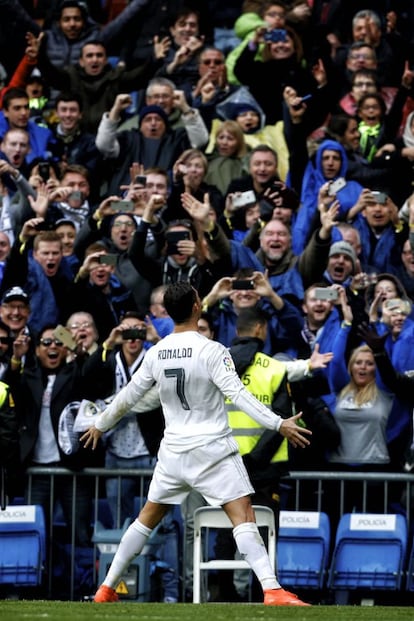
(179, 299)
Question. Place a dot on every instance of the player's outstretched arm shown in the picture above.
(296, 435)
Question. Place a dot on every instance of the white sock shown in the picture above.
(251, 546)
(131, 544)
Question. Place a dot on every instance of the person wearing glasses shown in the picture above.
(163, 92)
(363, 81)
(113, 231)
(371, 45)
(98, 294)
(212, 87)
(83, 329)
(41, 391)
(14, 316)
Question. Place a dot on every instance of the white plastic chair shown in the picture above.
(215, 517)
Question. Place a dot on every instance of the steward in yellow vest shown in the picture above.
(264, 451)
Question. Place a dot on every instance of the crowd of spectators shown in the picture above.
(262, 150)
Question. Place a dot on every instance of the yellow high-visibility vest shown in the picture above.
(4, 394)
(262, 378)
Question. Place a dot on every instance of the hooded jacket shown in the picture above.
(312, 181)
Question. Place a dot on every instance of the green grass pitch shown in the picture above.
(25, 610)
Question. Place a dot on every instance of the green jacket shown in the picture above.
(244, 28)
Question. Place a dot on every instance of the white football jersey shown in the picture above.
(193, 375)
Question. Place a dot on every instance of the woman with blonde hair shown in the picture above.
(227, 161)
(361, 411)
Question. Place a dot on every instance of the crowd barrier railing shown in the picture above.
(296, 483)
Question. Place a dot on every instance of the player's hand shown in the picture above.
(295, 434)
(91, 437)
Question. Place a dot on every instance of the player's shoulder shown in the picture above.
(218, 354)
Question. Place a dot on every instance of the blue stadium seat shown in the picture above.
(22, 545)
(410, 570)
(303, 549)
(369, 552)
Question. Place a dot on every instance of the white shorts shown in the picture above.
(216, 470)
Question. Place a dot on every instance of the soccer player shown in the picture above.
(192, 373)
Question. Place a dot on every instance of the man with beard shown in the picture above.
(288, 273)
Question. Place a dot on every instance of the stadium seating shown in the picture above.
(303, 549)
(369, 552)
(215, 517)
(22, 545)
(410, 569)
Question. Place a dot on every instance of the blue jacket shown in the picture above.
(325, 339)
(401, 354)
(282, 325)
(313, 179)
(43, 308)
(242, 256)
(386, 252)
(289, 284)
(41, 139)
